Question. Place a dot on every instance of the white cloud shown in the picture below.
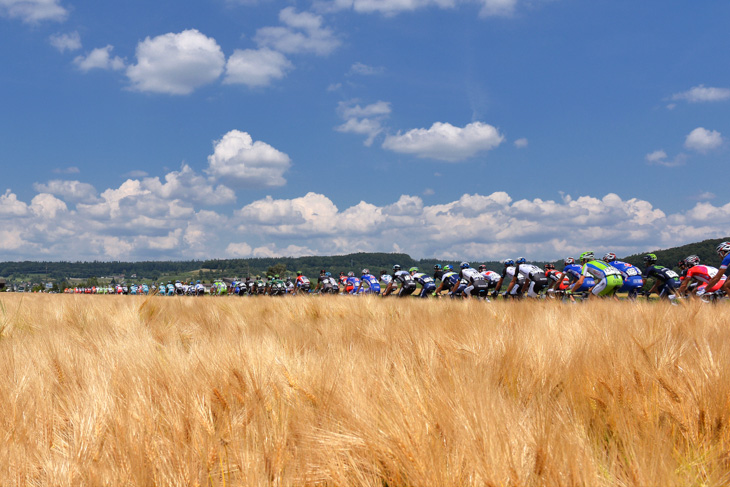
(238, 250)
(256, 67)
(100, 58)
(66, 42)
(446, 142)
(703, 140)
(365, 120)
(176, 64)
(365, 70)
(660, 158)
(188, 185)
(703, 93)
(67, 170)
(151, 219)
(302, 33)
(656, 156)
(497, 8)
(521, 143)
(241, 162)
(488, 8)
(74, 191)
(33, 11)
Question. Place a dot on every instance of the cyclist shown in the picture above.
(329, 284)
(303, 284)
(199, 289)
(370, 281)
(508, 273)
(666, 281)
(608, 277)
(426, 282)
(450, 282)
(534, 278)
(402, 281)
(633, 281)
(558, 281)
(573, 272)
(723, 250)
(491, 277)
(352, 284)
(438, 272)
(385, 278)
(702, 275)
(475, 282)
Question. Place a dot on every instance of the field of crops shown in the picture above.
(102, 390)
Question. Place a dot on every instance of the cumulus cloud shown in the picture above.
(100, 58)
(149, 219)
(367, 120)
(660, 158)
(702, 93)
(74, 191)
(302, 32)
(703, 140)
(446, 142)
(33, 11)
(176, 64)
(241, 162)
(256, 67)
(186, 184)
(66, 42)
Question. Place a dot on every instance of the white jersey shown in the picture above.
(470, 274)
(386, 278)
(491, 277)
(529, 270)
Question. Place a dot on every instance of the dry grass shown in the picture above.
(106, 390)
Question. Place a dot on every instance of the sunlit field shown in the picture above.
(107, 390)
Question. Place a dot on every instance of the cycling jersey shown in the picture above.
(408, 285)
(386, 279)
(632, 277)
(702, 273)
(303, 283)
(725, 262)
(352, 284)
(370, 284)
(450, 279)
(529, 271)
(599, 269)
(426, 282)
(491, 277)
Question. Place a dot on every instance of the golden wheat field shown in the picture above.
(107, 390)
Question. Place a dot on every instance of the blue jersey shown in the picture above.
(573, 271)
(627, 270)
(423, 279)
(725, 263)
(450, 279)
(373, 286)
(353, 282)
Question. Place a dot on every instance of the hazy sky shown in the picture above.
(466, 129)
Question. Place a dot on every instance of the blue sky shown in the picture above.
(441, 128)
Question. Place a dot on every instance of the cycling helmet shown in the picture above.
(681, 264)
(448, 267)
(692, 261)
(299, 273)
(550, 266)
(413, 269)
(350, 274)
(650, 258)
(365, 272)
(723, 249)
(464, 265)
(569, 261)
(437, 267)
(482, 268)
(520, 260)
(609, 257)
(586, 256)
(276, 276)
(508, 262)
(396, 267)
(327, 274)
(198, 282)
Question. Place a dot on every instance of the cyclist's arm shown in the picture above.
(716, 279)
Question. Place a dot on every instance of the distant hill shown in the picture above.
(705, 250)
(208, 269)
